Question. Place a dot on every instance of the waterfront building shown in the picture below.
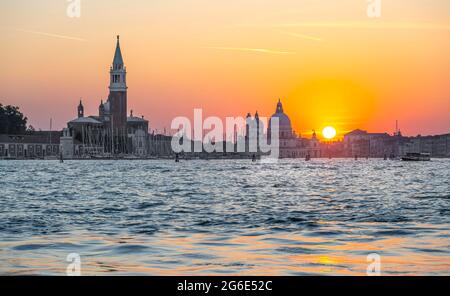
(287, 140)
(313, 147)
(437, 146)
(159, 145)
(137, 133)
(290, 144)
(37, 144)
(363, 144)
(111, 132)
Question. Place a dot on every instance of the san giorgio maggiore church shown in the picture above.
(112, 131)
(115, 132)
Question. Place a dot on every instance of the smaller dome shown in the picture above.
(85, 120)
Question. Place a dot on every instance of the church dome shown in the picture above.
(283, 119)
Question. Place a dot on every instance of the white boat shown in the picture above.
(417, 157)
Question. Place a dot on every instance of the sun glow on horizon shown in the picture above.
(329, 132)
(331, 64)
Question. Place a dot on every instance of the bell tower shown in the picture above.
(80, 110)
(118, 99)
(118, 73)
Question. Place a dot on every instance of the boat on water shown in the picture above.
(131, 157)
(417, 157)
(8, 158)
(51, 157)
(101, 156)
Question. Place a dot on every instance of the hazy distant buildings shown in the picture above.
(437, 146)
(363, 144)
(359, 143)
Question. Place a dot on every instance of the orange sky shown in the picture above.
(329, 62)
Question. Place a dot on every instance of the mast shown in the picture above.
(112, 135)
(51, 148)
(82, 138)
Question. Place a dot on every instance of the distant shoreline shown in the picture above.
(194, 158)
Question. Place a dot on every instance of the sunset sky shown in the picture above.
(327, 60)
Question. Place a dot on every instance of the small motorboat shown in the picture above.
(417, 157)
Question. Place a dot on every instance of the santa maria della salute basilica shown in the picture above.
(114, 132)
(290, 144)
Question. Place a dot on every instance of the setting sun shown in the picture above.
(329, 132)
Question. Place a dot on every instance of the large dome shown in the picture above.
(283, 119)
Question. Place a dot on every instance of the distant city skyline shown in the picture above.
(330, 63)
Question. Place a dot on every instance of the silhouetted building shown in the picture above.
(363, 144)
(290, 144)
(437, 146)
(111, 132)
(39, 144)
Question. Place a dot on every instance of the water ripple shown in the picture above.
(225, 217)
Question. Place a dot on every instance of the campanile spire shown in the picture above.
(118, 73)
(118, 60)
(117, 100)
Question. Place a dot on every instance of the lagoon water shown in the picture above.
(225, 217)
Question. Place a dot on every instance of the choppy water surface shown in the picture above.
(225, 217)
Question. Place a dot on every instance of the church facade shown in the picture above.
(290, 144)
(112, 131)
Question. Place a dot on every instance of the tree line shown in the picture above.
(12, 121)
